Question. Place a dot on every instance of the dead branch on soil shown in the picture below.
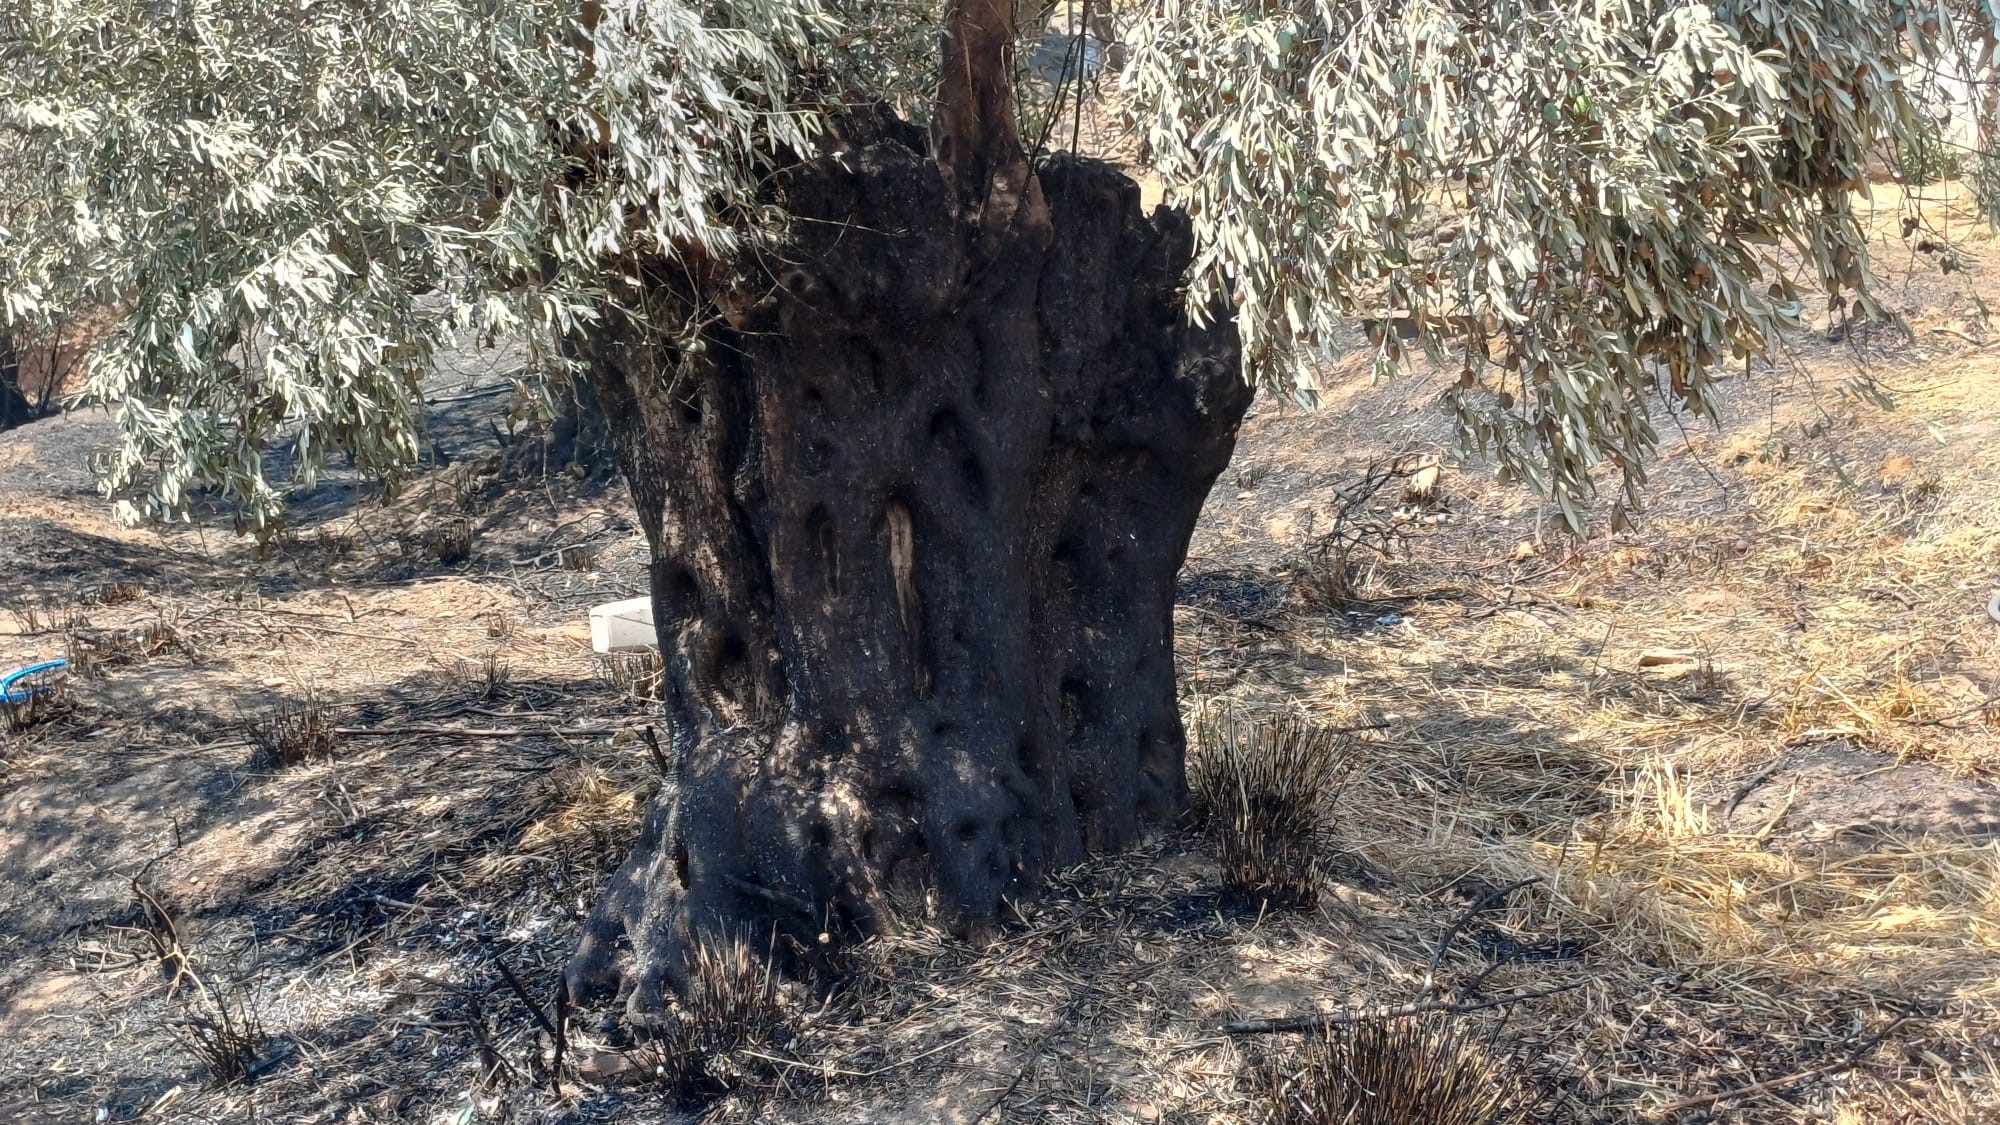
(220, 1030)
(1335, 568)
(1847, 1062)
(433, 730)
(1480, 905)
(164, 933)
(1321, 1020)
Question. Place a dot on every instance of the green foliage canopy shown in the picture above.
(292, 205)
(1604, 199)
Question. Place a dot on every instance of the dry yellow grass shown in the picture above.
(1802, 589)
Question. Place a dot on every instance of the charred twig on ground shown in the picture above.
(429, 730)
(773, 895)
(1847, 1062)
(653, 748)
(521, 991)
(163, 932)
(1334, 568)
(561, 1036)
(1493, 897)
(1034, 1052)
(1749, 786)
(1320, 1020)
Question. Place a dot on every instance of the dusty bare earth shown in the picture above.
(1740, 762)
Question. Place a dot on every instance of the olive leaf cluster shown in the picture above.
(286, 208)
(290, 206)
(1575, 204)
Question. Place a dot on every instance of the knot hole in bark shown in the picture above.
(948, 434)
(821, 534)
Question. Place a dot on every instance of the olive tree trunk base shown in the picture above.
(917, 485)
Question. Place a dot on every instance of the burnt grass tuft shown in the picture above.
(91, 650)
(1419, 1071)
(225, 1036)
(732, 1004)
(1264, 786)
(447, 542)
(293, 733)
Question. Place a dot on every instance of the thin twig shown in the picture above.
(653, 748)
(1750, 786)
(1480, 905)
(562, 1035)
(1942, 331)
(877, 1072)
(771, 894)
(474, 732)
(521, 991)
(165, 934)
(1334, 1019)
(1949, 722)
(1034, 1053)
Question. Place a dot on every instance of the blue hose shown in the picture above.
(22, 695)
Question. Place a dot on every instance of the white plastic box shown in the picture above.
(623, 626)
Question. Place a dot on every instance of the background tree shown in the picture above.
(14, 405)
(917, 421)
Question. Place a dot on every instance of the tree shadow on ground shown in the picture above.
(364, 905)
(408, 855)
(46, 561)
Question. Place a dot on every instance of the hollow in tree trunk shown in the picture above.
(916, 493)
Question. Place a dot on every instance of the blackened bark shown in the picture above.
(917, 490)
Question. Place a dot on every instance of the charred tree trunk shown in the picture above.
(917, 492)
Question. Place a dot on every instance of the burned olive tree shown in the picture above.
(918, 420)
(917, 495)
